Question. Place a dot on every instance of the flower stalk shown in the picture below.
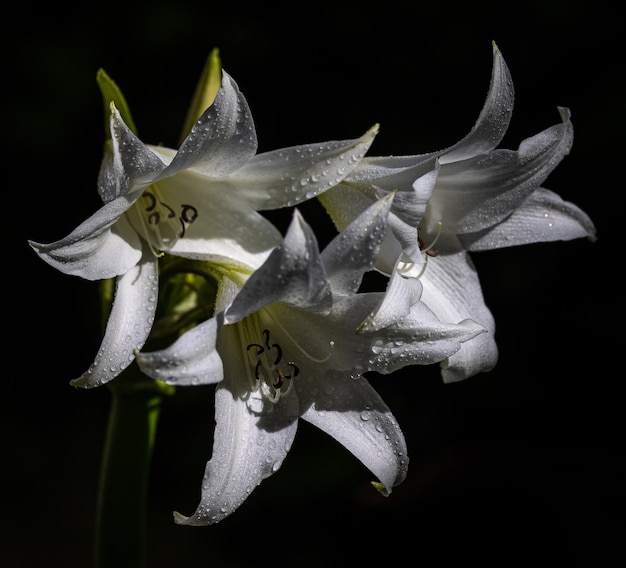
(122, 497)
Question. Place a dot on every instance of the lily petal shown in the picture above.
(286, 177)
(542, 217)
(353, 413)
(130, 164)
(353, 251)
(191, 360)
(478, 193)
(420, 338)
(453, 292)
(222, 139)
(293, 274)
(103, 246)
(250, 442)
(128, 326)
(225, 229)
(494, 118)
(400, 295)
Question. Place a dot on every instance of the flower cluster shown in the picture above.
(284, 330)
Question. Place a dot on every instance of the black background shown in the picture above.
(520, 465)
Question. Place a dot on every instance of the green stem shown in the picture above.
(121, 513)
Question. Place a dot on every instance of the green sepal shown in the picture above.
(208, 85)
(111, 93)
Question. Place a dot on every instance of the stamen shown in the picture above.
(160, 223)
(268, 369)
(425, 247)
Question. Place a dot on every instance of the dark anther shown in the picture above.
(188, 214)
(423, 244)
(152, 199)
(171, 211)
(260, 348)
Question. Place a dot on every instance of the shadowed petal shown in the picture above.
(128, 326)
(222, 139)
(478, 193)
(191, 360)
(286, 177)
(353, 413)
(451, 289)
(494, 118)
(543, 217)
(252, 438)
(353, 251)
(293, 274)
(103, 246)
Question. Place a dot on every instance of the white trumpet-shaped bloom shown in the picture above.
(469, 197)
(201, 201)
(285, 345)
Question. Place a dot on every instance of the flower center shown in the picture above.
(269, 369)
(163, 223)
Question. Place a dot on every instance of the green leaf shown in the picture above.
(209, 83)
(111, 93)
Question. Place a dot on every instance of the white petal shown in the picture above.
(478, 355)
(353, 251)
(543, 217)
(395, 173)
(293, 274)
(479, 193)
(103, 246)
(129, 324)
(420, 338)
(451, 289)
(353, 413)
(252, 438)
(222, 139)
(494, 118)
(191, 360)
(400, 295)
(131, 163)
(227, 232)
(286, 177)
(344, 203)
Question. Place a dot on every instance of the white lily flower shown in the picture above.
(200, 201)
(286, 347)
(468, 197)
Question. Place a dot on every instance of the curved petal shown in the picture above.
(103, 246)
(420, 338)
(353, 251)
(478, 355)
(451, 289)
(400, 295)
(129, 324)
(293, 274)
(494, 118)
(286, 177)
(543, 217)
(479, 193)
(224, 230)
(392, 173)
(191, 360)
(130, 163)
(252, 438)
(353, 413)
(223, 138)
